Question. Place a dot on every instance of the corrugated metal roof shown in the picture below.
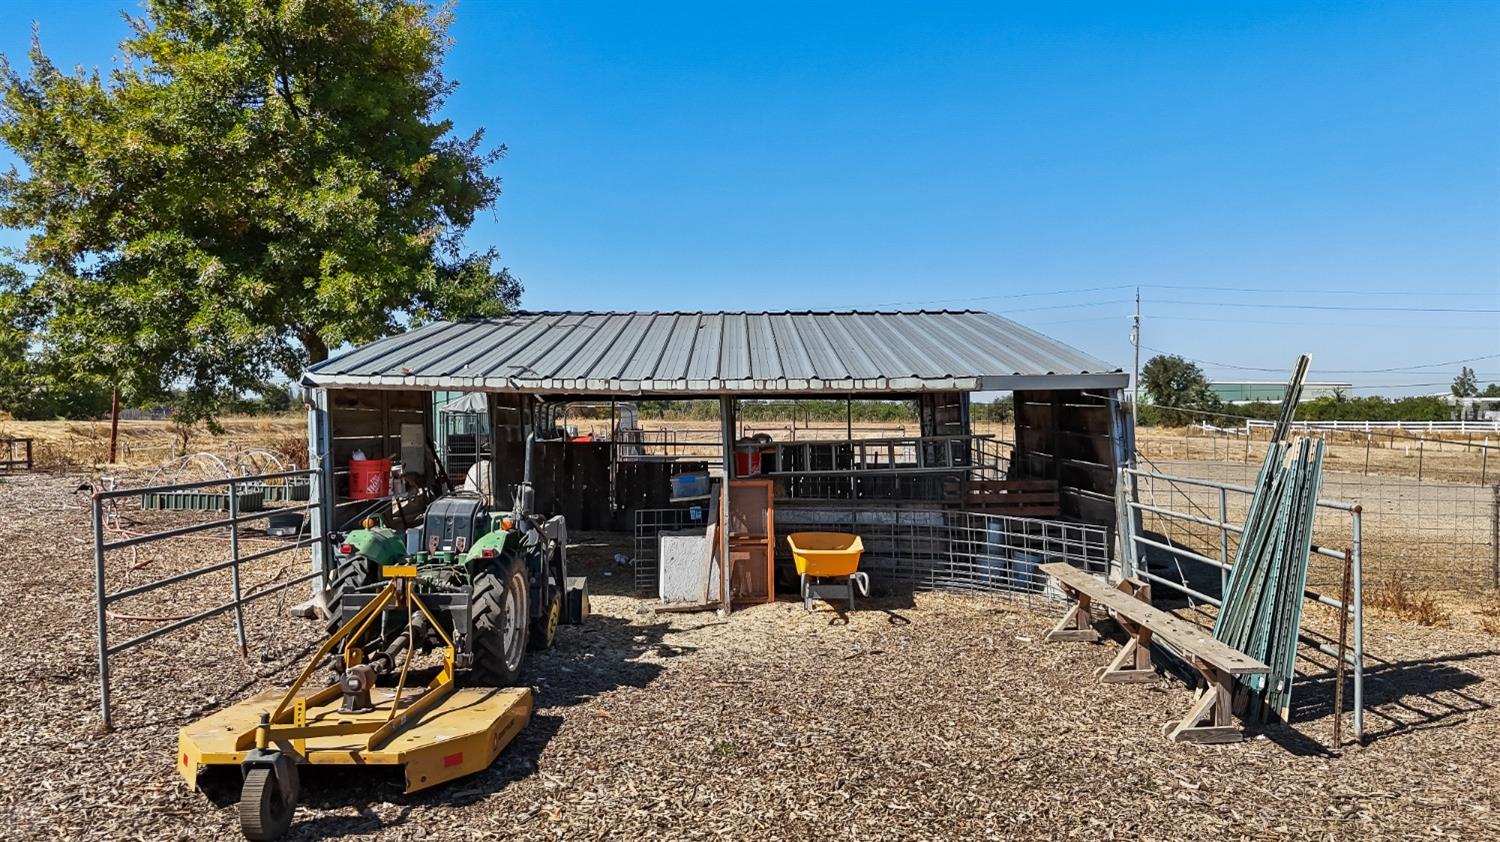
(706, 353)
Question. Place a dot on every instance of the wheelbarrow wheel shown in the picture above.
(265, 812)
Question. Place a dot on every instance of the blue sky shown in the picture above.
(1036, 160)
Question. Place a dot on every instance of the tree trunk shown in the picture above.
(317, 349)
(114, 424)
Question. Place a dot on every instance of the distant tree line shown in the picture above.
(1178, 393)
(44, 395)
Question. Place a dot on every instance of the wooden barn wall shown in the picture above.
(509, 421)
(1069, 436)
(573, 479)
(370, 420)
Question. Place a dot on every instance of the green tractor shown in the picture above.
(496, 581)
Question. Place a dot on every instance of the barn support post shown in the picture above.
(726, 425)
(320, 486)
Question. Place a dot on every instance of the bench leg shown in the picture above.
(1076, 624)
(1209, 720)
(1133, 664)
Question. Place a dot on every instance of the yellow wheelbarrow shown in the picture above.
(828, 556)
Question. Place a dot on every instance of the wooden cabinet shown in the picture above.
(751, 522)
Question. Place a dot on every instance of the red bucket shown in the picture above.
(747, 462)
(369, 479)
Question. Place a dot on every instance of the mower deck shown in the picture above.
(461, 734)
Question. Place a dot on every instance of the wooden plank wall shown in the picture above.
(572, 479)
(370, 420)
(1065, 435)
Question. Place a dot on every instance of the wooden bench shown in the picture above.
(1016, 498)
(1210, 719)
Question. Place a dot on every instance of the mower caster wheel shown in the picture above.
(265, 809)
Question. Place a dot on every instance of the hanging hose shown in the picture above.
(861, 580)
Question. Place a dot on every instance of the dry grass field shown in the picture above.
(1431, 537)
(927, 717)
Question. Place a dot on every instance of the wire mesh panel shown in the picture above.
(1429, 533)
(935, 549)
(649, 524)
(923, 549)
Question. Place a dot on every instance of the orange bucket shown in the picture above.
(369, 479)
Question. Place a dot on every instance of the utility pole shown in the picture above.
(1135, 341)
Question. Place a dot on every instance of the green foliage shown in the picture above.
(1418, 408)
(1465, 385)
(997, 411)
(1178, 390)
(267, 398)
(1491, 391)
(34, 384)
(257, 182)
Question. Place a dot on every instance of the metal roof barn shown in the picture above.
(681, 353)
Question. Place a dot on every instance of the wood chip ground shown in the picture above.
(933, 717)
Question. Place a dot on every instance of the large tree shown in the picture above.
(1178, 390)
(255, 183)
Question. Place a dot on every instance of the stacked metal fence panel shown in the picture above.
(1262, 609)
(919, 548)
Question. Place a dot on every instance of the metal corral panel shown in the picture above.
(720, 353)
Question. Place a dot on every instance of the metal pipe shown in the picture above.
(179, 531)
(320, 485)
(204, 615)
(101, 616)
(1178, 586)
(1224, 540)
(188, 486)
(1177, 550)
(234, 571)
(1338, 676)
(1203, 483)
(1495, 536)
(167, 580)
(726, 427)
(1359, 626)
(1188, 517)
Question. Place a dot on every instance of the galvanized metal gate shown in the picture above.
(303, 492)
(1176, 519)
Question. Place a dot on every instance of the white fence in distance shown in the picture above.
(1491, 426)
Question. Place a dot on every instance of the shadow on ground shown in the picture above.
(586, 662)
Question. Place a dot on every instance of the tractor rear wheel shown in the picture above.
(357, 571)
(500, 621)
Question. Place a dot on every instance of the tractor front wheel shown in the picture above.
(544, 628)
(500, 621)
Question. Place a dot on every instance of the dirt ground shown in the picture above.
(927, 717)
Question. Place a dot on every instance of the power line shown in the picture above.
(1421, 292)
(1340, 307)
(1424, 293)
(1339, 323)
(1411, 369)
(1211, 288)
